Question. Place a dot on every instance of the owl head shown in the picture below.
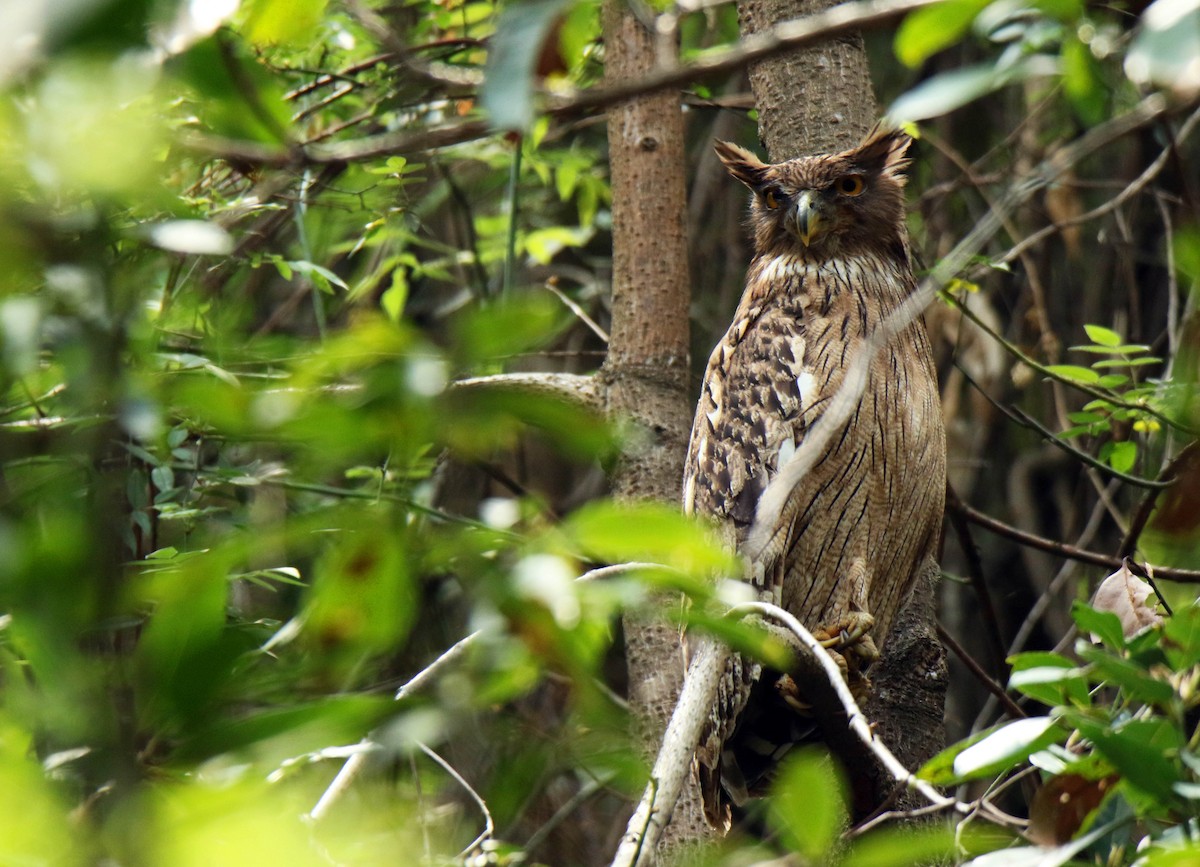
(830, 204)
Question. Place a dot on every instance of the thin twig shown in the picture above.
(978, 581)
(1062, 549)
(1146, 507)
(586, 791)
(489, 827)
(982, 676)
(576, 309)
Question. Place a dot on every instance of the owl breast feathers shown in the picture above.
(831, 263)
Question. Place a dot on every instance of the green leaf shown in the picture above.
(321, 276)
(1181, 637)
(1049, 678)
(1103, 625)
(991, 751)
(1138, 749)
(1121, 456)
(1165, 48)
(650, 532)
(1127, 362)
(1134, 680)
(904, 847)
(943, 93)
(808, 804)
(515, 324)
(507, 93)
(269, 22)
(927, 31)
(1102, 336)
(1084, 86)
(1074, 373)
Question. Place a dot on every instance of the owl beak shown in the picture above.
(807, 218)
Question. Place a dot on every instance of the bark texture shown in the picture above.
(645, 373)
(812, 100)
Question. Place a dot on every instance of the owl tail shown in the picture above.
(716, 806)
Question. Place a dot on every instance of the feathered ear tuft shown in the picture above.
(742, 164)
(883, 151)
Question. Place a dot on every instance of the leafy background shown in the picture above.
(241, 503)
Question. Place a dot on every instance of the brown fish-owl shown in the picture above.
(831, 264)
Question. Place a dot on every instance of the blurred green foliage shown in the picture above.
(226, 416)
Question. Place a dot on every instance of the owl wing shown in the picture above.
(757, 401)
(755, 405)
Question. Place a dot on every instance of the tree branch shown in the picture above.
(1062, 549)
(846, 17)
(674, 760)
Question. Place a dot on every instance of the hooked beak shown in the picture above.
(807, 218)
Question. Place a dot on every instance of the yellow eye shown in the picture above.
(771, 200)
(851, 185)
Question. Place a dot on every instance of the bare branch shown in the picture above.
(489, 827)
(577, 387)
(1062, 549)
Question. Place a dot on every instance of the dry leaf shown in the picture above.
(1062, 804)
(1128, 597)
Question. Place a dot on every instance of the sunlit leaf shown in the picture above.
(997, 749)
(268, 22)
(507, 93)
(647, 532)
(947, 91)
(1075, 373)
(1166, 46)
(927, 31)
(1102, 336)
(808, 804)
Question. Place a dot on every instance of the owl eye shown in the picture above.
(771, 199)
(850, 185)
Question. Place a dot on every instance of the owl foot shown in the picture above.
(851, 637)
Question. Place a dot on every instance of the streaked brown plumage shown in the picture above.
(831, 263)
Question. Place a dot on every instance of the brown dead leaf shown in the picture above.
(1130, 598)
(1062, 804)
(1178, 510)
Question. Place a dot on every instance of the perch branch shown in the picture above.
(674, 760)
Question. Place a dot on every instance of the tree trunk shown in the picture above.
(645, 373)
(812, 100)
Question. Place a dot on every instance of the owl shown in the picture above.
(831, 262)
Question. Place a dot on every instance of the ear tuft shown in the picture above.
(883, 151)
(741, 163)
